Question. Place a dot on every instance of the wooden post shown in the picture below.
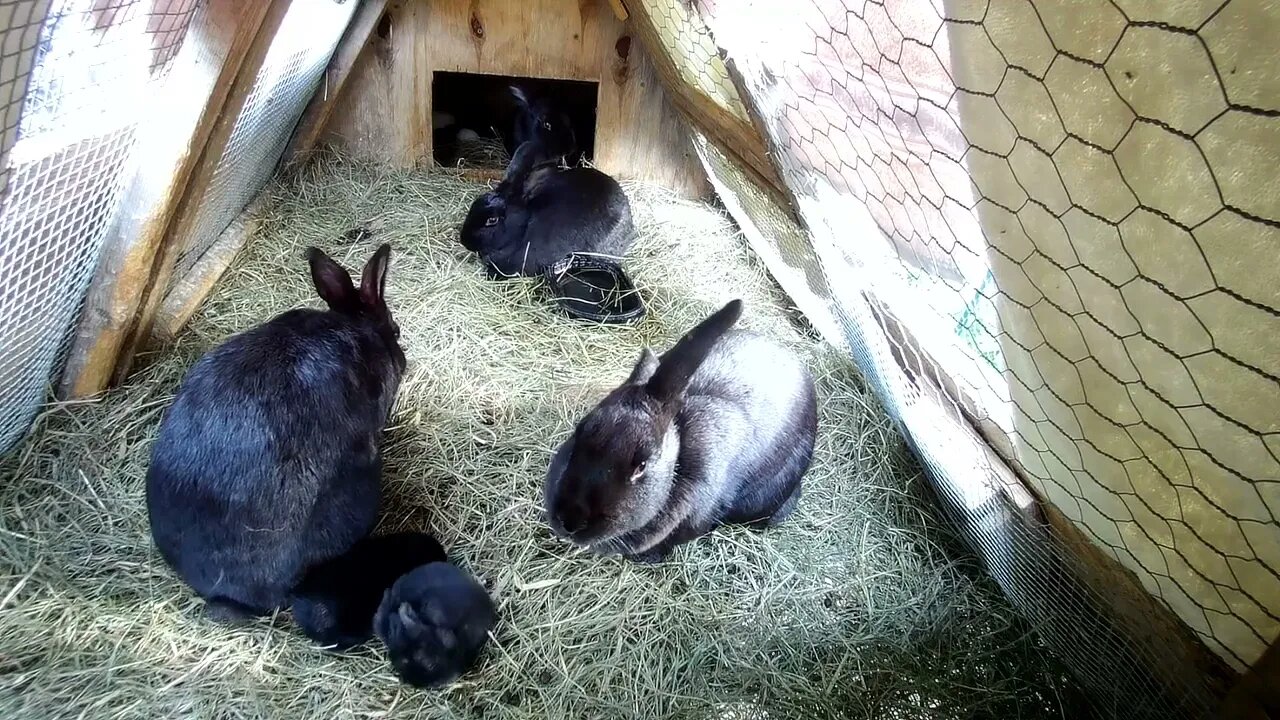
(735, 137)
(186, 295)
(157, 280)
(619, 9)
(315, 118)
(127, 270)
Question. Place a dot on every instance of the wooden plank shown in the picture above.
(187, 294)
(385, 114)
(619, 10)
(318, 111)
(410, 83)
(157, 280)
(737, 138)
(170, 144)
(560, 39)
(21, 46)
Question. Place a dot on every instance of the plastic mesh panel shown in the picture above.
(289, 76)
(73, 86)
(1042, 235)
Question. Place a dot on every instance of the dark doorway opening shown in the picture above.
(474, 116)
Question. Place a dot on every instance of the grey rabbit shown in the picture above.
(267, 462)
(718, 430)
(434, 621)
(337, 599)
(541, 213)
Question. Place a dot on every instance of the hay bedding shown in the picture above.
(859, 606)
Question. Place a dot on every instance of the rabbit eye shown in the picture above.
(546, 125)
(491, 222)
(638, 472)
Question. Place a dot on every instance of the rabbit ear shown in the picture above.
(373, 282)
(520, 165)
(520, 95)
(409, 617)
(644, 368)
(679, 363)
(332, 281)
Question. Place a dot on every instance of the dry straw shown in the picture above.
(859, 606)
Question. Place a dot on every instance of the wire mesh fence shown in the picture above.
(1046, 234)
(290, 75)
(75, 77)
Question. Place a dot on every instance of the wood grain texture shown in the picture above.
(320, 109)
(239, 87)
(187, 294)
(222, 35)
(386, 114)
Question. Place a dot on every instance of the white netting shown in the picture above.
(290, 75)
(74, 86)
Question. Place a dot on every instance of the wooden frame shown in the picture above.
(132, 271)
(201, 177)
(185, 295)
(385, 115)
(315, 118)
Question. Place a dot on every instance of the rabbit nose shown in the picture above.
(573, 523)
(573, 516)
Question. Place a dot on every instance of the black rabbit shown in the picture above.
(541, 213)
(547, 127)
(719, 430)
(337, 599)
(434, 622)
(267, 462)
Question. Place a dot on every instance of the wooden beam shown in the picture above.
(619, 9)
(737, 138)
(315, 118)
(188, 293)
(228, 30)
(161, 269)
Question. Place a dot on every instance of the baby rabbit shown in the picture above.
(719, 430)
(540, 213)
(434, 622)
(537, 121)
(267, 462)
(336, 600)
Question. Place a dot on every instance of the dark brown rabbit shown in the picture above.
(268, 461)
